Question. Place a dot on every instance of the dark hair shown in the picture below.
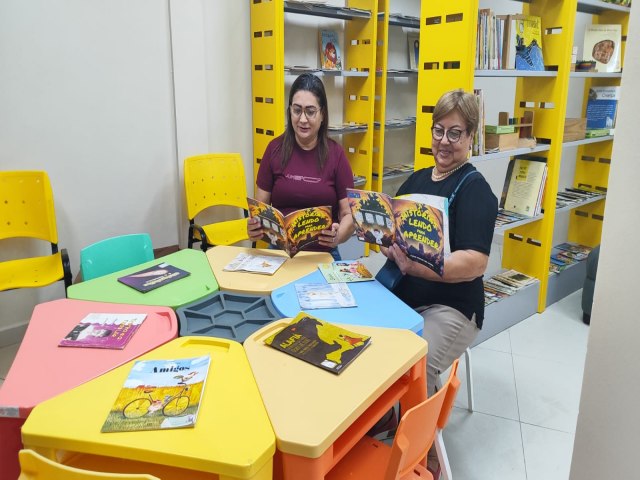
(310, 83)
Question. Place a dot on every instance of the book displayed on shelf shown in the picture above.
(567, 254)
(524, 186)
(477, 147)
(153, 277)
(417, 223)
(324, 295)
(504, 285)
(329, 44)
(489, 40)
(159, 394)
(522, 43)
(413, 47)
(293, 232)
(247, 262)
(345, 271)
(602, 107)
(603, 44)
(319, 343)
(573, 196)
(505, 217)
(104, 330)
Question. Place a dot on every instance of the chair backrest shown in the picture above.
(417, 429)
(26, 206)
(214, 179)
(115, 253)
(35, 466)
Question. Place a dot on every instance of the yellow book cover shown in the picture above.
(523, 187)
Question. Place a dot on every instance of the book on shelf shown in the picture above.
(602, 107)
(324, 295)
(602, 44)
(522, 43)
(345, 271)
(159, 394)
(330, 57)
(153, 277)
(104, 330)
(319, 343)
(417, 223)
(250, 263)
(294, 232)
(489, 40)
(477, 147)
(413, 47)
(514, 278)
(524, 186)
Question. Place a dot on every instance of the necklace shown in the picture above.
(439, 176)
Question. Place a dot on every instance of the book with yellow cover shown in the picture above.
(524, 186)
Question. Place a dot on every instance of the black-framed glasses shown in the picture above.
(453, 134)
(309, 112)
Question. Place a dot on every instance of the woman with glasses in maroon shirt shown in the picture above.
(304, 168)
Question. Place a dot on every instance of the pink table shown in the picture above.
(42, 370)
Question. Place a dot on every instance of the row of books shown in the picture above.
(504, 285)
(572, 196)
(399, 169)
(567, 254)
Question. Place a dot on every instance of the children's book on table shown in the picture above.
(153, 277)
(263, 264)
(104, 330)
(319, 343)
(345, 271)
(159, 394)
(324, 295)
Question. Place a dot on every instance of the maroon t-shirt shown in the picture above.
(301, 184)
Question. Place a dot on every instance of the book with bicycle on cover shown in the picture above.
(159, 394)
(293, 232)
(418, 223)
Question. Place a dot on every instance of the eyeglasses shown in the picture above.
(453, 135)
(309, 112)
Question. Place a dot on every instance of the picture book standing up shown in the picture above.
(528, 45)
(294, 232)
(602, 44)
(104, 330)
(330, 58)
(418, 223)
(153, 277)
(159, 394)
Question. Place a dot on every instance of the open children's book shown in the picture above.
(320, 343)
(104, 330)
(324, 295)
(418, 223)
(345, 271)
(294, 232)
(159, 394)
(264, 264)
(153, 277)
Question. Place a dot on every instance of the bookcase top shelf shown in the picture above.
(581, 203)
(597, 6)
(509, 153)
(329, 73)
(327, 11)
(515, 73)
(586, 141)
(596, 74)
(399, 20)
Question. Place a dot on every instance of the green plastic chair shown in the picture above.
(114, 254)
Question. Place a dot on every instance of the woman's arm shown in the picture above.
(254, 229)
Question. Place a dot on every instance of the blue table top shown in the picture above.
(376, 306)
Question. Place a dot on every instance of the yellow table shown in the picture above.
(318, 416)
(291, 270)
(232, 438)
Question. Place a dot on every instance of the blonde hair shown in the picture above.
(462, 102)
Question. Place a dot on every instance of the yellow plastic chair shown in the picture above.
(26, 211)
(211, 180)
(370, 459)
(35, 466)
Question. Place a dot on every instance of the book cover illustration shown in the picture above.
(345, 272)
(413, 44)
(330, 58)
(247, 262)
(153, 277)
(417, 223)
(159, 394)
(294, 232)
(528, 43)
(319, 343)
(324, 295)
(104, 330)
(602, 44)
(602, 106)
(524, 186)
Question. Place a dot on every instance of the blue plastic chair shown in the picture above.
(115, 253)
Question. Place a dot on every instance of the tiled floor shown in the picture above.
(527, 384)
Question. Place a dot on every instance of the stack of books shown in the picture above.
(574, 196)
(505, 284)
(567, 254)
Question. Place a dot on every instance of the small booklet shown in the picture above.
(324, 295)
(294, 232)
(330, 58)
(418, 223)
(345, 272)
(159, 394)
(264, 264)
(153, 277)
(320, 343)
(104, 330)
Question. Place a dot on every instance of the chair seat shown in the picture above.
(362, 463)
(31, 272)
(227, 232)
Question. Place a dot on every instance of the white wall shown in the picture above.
(608, 430)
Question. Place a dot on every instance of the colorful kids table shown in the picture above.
(42, 369)
(232, 437)
(318, 416)
(376, 306)
(198, 284)
(294, 268)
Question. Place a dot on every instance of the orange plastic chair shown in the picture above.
(26, 211)
(36, 467)
(370, 459)
(214, 180)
